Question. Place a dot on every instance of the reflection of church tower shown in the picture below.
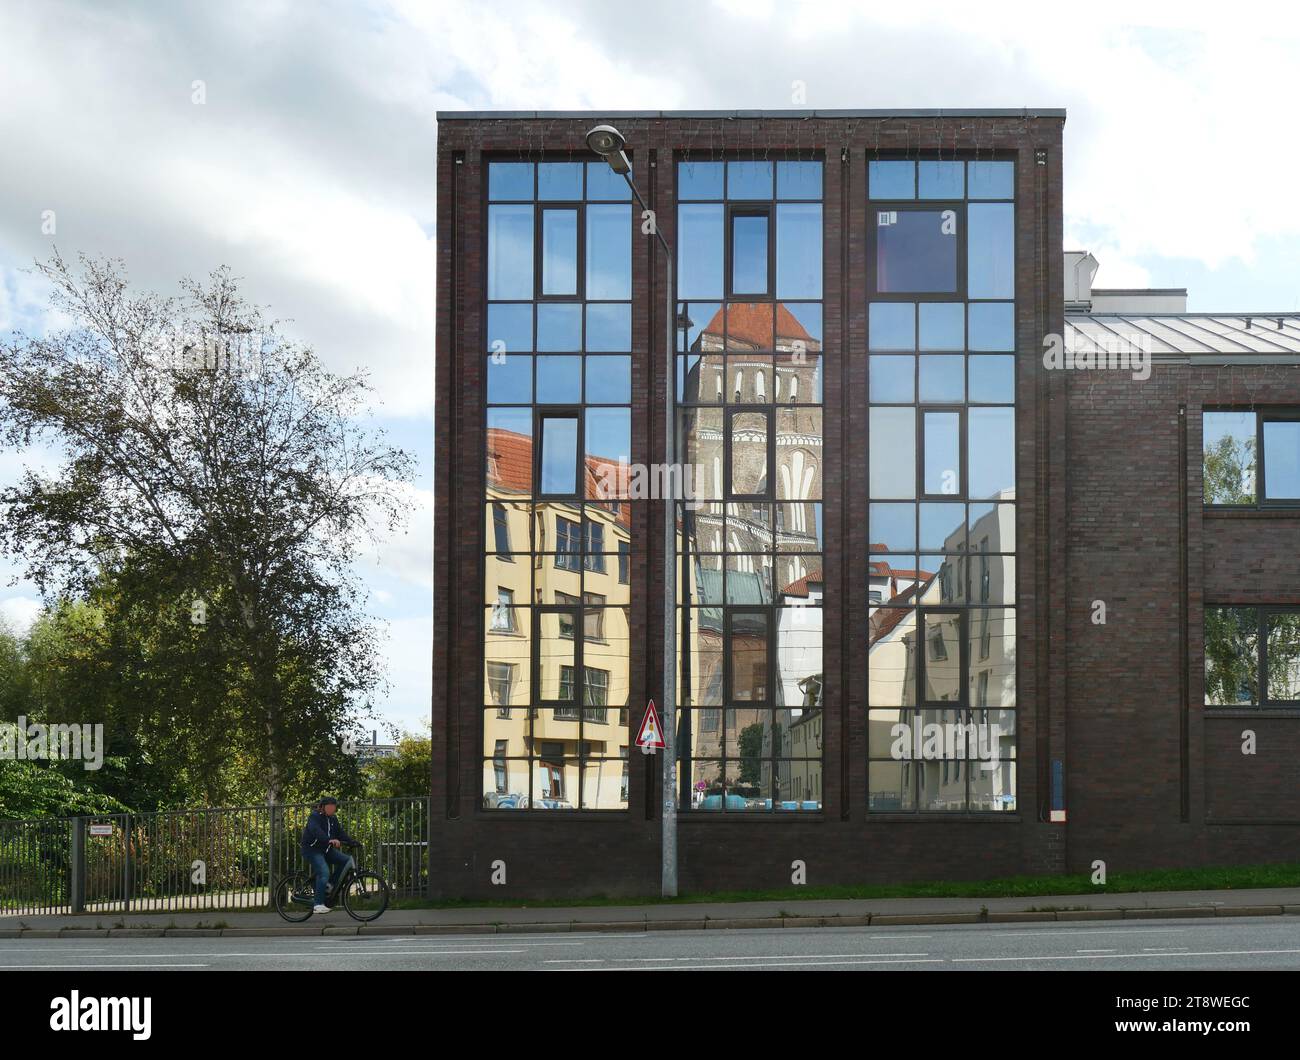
(754, 359)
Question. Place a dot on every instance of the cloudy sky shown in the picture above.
(296, 141)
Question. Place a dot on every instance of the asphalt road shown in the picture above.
(1257, 943)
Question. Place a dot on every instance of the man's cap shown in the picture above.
(328, 798)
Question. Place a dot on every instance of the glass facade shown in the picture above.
(558, 541)
(939, 481)
(749, 387)
(941, 731)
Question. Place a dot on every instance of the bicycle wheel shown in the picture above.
(366, 895)
(294, 896)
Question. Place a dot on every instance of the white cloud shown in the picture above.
(20, 612)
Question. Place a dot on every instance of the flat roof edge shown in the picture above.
(1008, 112)
(1139, 290)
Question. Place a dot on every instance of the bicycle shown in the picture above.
(364, 893)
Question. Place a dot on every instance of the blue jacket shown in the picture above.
(321, 828)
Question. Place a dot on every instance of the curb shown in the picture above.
(644, 925)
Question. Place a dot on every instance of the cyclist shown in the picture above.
(321, 843)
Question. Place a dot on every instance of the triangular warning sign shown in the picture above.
(651, 733)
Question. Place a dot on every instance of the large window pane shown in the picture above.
(749, 453)
(559, 252)
(609, 327)
(992, 452)
(559, 181)
(892, 326)
(700, 180)
(749, 180)
(559, 455)
(892, 441)
(1231, 656)
(559, 328)
(943, 326)
(992, 327)
(699, 253)
(1228, 457)
(609, 252)
(889, 179)
(748, 656)
(942, 452)
(940, 180)
(510, 328)
(1282, 656)
(991, 180)
(942, 378)
(1281, 460)
(559, 380)
(510, 252)
(991, 250)
(891, 378)
(749, 260)
(942, 639)
(916, 251)
(799, 250)
(798, 180)
(510, 180)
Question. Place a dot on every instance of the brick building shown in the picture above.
(945, 603)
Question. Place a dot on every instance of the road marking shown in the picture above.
(90, 967)
(1117, 956)
(751, 957)
(818, 962)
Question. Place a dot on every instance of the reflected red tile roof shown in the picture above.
(749, 326)
(800, 588)
(884, 620)
(510, 469)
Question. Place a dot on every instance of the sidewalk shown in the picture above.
(881, 912)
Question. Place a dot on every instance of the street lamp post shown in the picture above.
(608, 142)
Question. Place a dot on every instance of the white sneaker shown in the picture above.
(321, 909)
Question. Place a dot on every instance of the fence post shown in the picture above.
(271, 868)
(428, 845)
(128, 830)
(77, 884)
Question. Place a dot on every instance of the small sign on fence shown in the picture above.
(101, 829)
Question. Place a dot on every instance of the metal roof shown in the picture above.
(1008, 112)
(1243, 337)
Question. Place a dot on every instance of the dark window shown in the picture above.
(916, 251)
(595, 558)
(499, 766)
(503, 612)
(623, 556)
(568, 544)
(501, 531)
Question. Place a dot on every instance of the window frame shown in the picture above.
(1262, 614)
(729, 412)
(874, 208)
(1271, 414)
(734, 208)
(540, 209)
(541, 414)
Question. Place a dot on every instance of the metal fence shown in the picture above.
(187, 860)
